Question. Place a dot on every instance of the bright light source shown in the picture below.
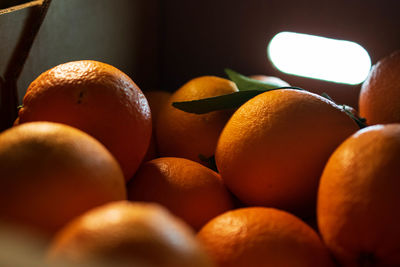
(319, 57)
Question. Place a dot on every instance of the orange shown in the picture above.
(359, 198)
(380, 93)
(98, 99)
(187, 135)
(273, 149)
(128, 234)
(52, 172)
(258, 236)
(270, 79)
(157, 99)
(188, 189)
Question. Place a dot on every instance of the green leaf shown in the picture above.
(327, 96)
(245, 83)
(228, 101)
(361, 122)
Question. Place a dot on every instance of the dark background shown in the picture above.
(162, 44)
(204, 37)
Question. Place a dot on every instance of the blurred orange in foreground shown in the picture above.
(98, 99)
(273, 149)
(188, 189)
(379, 100)
(20, 247)
(52, 172)
(359, 198)
(187, 135)
(128, 234)
(259, 236)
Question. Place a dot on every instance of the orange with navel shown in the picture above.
(98, 99)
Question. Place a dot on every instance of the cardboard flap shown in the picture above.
(12, 21)
(4, 8)
(124, 35)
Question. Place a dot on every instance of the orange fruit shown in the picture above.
(187, 135)
(270, 79)
(273, 149)
(258, 236)
(188, 189)
(157, 99)
(128, 233)
(52, 172)
(380, 93)
(359, 198)
(98, 99)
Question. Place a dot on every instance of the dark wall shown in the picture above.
(164, 43)
(123, 33)
(204, 37)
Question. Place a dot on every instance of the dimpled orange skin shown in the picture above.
(258, 236)
(188, 189)
(51, 173)
(128, 233)
(359, 198)
(273, 149)
(98, 99)
(186, 135)
(379, 100)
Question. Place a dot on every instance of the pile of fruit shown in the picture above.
(245, 171)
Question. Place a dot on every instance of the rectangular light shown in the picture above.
(319, 57)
